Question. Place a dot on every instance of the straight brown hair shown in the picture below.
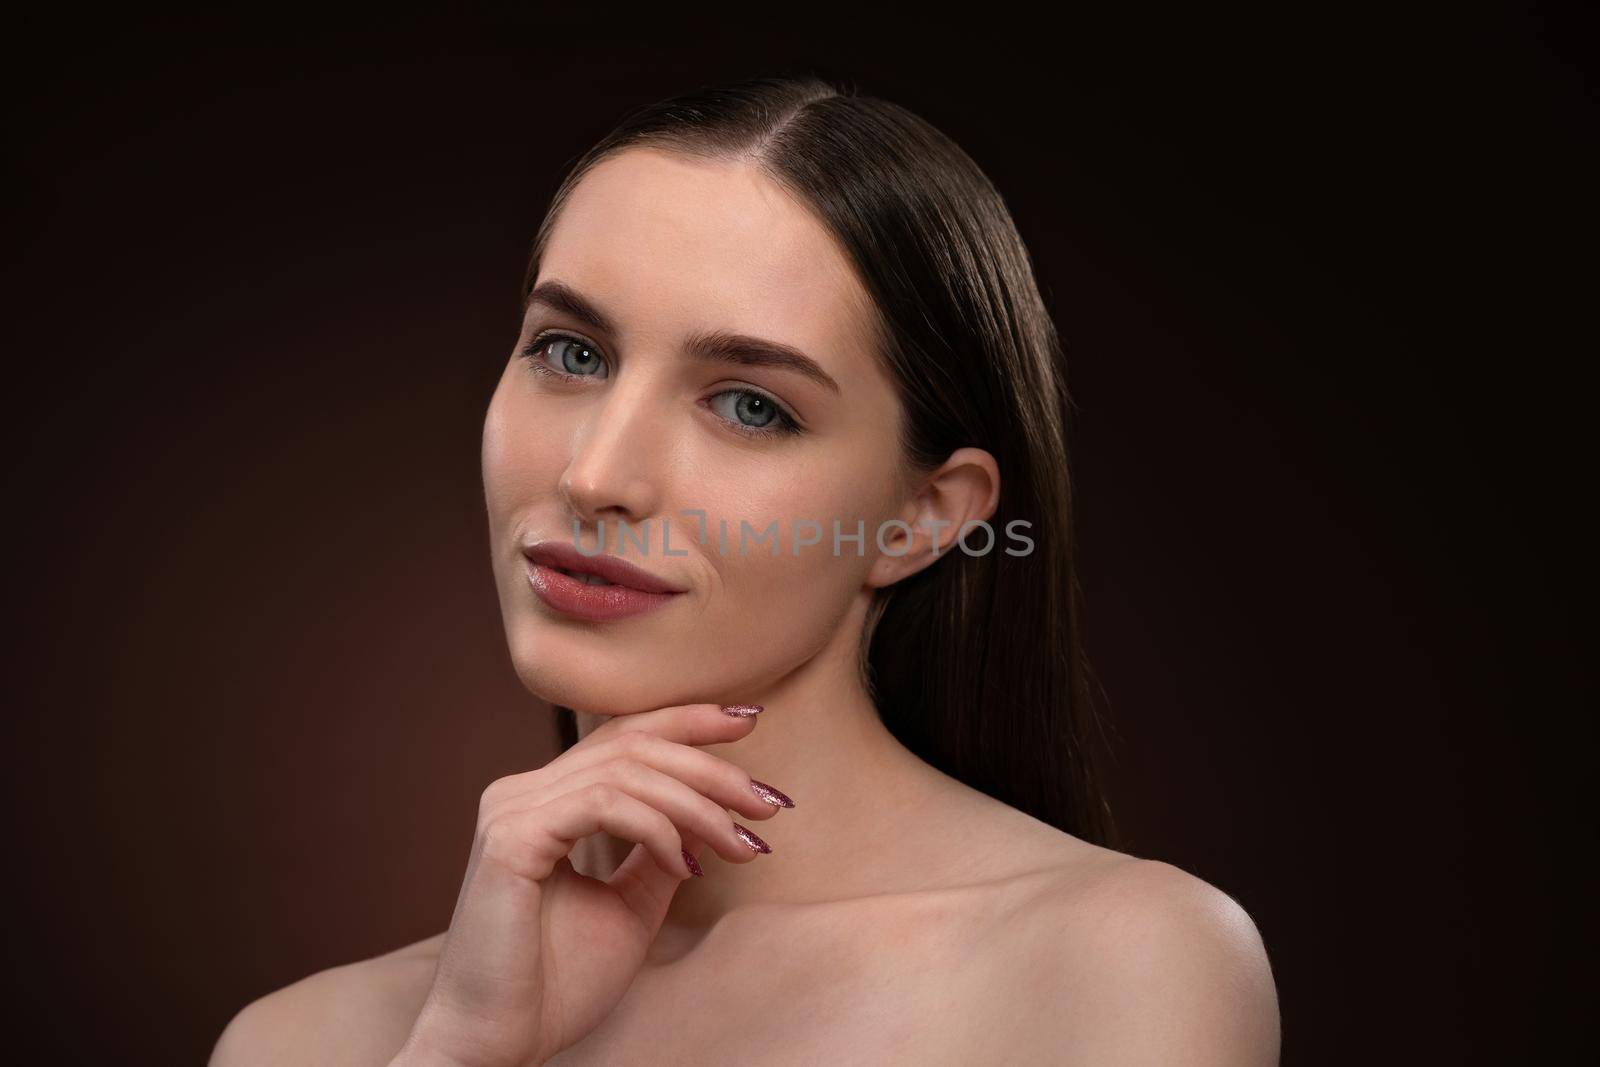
(976, 663)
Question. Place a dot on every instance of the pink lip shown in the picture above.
(635, 591)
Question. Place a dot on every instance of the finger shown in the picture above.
(530, 843)
(645, 887)
(689, 809)
(728, 784)
(642, 869)
(687, 724)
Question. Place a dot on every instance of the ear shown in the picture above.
(965, 488)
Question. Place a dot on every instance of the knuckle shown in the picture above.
(497, 838)
(627, 770)
(492, 793)
(603, 796)
(664, 826)
(504, 788)
(636, 743)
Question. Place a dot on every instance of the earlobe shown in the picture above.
(905, 548)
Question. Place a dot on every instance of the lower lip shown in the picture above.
(597, 603)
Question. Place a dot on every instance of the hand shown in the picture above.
(538, 954)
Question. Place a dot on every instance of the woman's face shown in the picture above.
(636, 420)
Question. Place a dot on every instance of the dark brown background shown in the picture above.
(1312, 276)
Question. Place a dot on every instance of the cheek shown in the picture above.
(787, 605)
(520, 457)
(794, 502)
(768, 613)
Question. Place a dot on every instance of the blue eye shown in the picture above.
(753, 413)
(565, 354)
(747, 411)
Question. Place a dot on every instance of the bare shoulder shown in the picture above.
(1074, 953)
(1128, 960)
(354, 1013)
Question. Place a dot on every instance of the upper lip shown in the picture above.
(563, 556)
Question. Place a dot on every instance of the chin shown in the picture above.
(597, 672)
(600, 684)
(585, 688)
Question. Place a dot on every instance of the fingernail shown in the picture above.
(770, 795)
(742, 711)
(693, 864)
(755, 843)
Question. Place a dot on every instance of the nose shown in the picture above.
(612, 473)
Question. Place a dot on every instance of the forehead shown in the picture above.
(670, 245)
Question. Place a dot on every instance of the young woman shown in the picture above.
(780, 520)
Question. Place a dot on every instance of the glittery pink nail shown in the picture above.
(742, 711)
(751, 839)
(770, 795)
(693, 865)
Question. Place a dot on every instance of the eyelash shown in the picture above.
(783, 425)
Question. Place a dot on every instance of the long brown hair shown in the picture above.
(975, 663)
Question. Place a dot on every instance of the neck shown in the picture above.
(855, 787)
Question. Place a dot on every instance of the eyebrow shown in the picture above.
(716, 346)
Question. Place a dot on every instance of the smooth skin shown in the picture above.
(902, 916)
